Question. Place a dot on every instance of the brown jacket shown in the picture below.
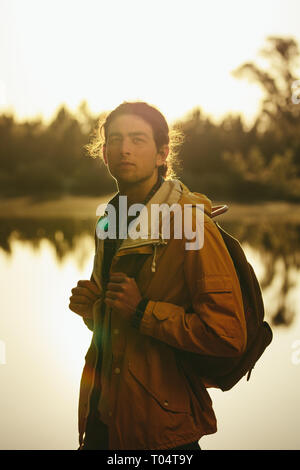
(195, 305)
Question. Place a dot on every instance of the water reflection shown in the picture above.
(62, 233)
(277, 245)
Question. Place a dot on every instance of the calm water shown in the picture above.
(43, 343)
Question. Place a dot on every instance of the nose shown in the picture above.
(125, 147)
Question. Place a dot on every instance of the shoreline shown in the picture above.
(85, 207)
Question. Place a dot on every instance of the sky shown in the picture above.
(174, 55)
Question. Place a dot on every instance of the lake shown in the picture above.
(43, 343)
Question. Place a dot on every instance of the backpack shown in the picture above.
(225, 372)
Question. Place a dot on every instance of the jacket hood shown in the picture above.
(188, 197)
(171, 191)
(174, 191)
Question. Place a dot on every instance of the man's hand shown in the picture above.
(122, 294)
(83, 298)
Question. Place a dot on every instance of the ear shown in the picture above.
(162, 155)
(104, 154)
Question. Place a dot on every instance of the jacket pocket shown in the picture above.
(221, 311)
(154, 367)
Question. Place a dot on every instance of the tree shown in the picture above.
(278, 111)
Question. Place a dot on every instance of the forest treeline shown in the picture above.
(227, 161)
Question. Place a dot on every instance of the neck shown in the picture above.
(137, 192)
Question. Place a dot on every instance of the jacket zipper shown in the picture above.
(161, 241)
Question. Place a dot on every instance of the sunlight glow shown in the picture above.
(173, 55)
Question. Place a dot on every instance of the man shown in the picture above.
(151, 302)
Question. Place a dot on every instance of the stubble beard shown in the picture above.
(132, 180)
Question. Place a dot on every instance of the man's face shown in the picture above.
(130, 151)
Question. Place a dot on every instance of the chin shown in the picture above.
(127, 178)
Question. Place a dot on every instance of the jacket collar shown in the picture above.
(171, 191)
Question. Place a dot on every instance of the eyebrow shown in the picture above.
(130, 133)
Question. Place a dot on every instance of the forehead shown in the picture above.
(127, 123)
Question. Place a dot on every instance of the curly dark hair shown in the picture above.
(161, 133)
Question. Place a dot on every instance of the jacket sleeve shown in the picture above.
(215, 323)
(89, 322)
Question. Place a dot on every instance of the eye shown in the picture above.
(137, 140)
(114, 139)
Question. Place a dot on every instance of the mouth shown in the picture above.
(126, 164)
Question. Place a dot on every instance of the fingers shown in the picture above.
(83, 297)
(86, 294)
(115, 286)
(119, 277)
(113, 294)
(82, 291)
(80, 299)
(80, 309)
(118, 285)
(118, 281)
(90, 285)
